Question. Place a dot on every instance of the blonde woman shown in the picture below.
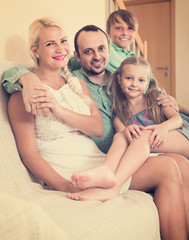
(53, 147)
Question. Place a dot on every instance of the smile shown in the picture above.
(133, 90)
(97, 64)
(124, 39)
(60, 57)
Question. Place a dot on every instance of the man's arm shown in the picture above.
(10, 79)
(167, 100)
(183, 110)
(22, 79)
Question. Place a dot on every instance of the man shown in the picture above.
(92, 51)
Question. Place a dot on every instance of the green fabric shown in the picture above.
(11, 76)
(117, 55)
(103, 102)
(74, 64)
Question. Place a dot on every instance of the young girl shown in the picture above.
(142, 125)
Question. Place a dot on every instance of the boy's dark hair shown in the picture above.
(87, 28)
(125, 15)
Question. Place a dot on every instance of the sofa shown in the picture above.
(28, 211)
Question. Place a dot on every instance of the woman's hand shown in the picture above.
(30, 81)
(158, 135)
(44, 99)
(133, 131)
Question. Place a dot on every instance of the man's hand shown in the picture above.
(167, 100)
(29, 81)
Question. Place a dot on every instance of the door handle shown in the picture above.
(162, 68)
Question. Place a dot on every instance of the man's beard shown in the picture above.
(93, 72)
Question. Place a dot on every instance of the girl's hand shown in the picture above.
(133, 131)
(44, 99)
(158, 135)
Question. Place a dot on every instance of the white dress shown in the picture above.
(64, 147)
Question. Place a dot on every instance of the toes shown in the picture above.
(74, 180)
(73, 196)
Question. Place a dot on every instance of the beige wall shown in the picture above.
(182, 52)
(16, 16)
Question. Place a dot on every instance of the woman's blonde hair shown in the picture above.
(34, 32)
(120, 106)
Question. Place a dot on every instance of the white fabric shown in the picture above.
(29, 212)
(65, 148)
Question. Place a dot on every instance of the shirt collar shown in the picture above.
(119, 49)
(88, 78)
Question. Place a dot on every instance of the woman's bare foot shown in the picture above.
(98, 194)
(100, 176)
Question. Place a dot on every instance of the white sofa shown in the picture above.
(30, 212)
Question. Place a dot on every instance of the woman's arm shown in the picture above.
(23, 128)
(91, 125)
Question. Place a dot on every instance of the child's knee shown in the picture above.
(120, 137)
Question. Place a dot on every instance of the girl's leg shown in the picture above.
(103, 175)
(175, 142)
(161, 176)
(121, 159)
(183, 164)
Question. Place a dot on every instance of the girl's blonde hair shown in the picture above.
(120, 106)
(34, 31)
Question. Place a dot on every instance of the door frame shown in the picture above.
(172, 31)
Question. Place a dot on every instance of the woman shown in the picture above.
(54, 147)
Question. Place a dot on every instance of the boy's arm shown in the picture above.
(10, 79)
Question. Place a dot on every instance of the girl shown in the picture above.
(141, 124)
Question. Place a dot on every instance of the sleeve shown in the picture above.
(10, 78)
(74, 64)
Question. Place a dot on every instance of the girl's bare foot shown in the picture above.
(100, 176)
(98, 194)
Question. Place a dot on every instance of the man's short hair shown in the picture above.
(87, 28)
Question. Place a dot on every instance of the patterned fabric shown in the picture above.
(144, 119)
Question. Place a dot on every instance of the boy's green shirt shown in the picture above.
(117, 55)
